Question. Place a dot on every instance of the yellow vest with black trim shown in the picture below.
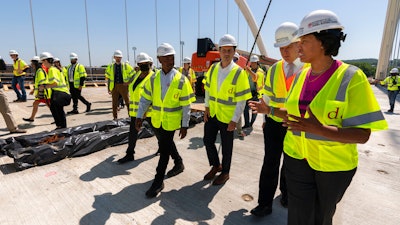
(234, 88)
(275, 87)
(392, 83)
(41, 78)
(260, 79)
(345, 101)
(127, 73)
(134, 95)
(21, 65)
(55, 76)
(191, 74)
(79, 72)
(167, 112)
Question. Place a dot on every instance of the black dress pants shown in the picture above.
(274, 134)
(58, 101)
(313, 195)
(76, 95)
(133, 135)
(167, 147)
(211, 128)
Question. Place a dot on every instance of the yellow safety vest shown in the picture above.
(391, 85)
(191, 74)
(41, 78)
(275, 87)
(127, 73)
(134, 95)
(260, 78)
(55, 76)
(19, 64)
(79, 72)
(345, 101)
(234, 88)
(167, 112)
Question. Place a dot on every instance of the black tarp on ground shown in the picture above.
(48, 147)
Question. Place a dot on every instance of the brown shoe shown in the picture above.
(221, 179)
(214, 170)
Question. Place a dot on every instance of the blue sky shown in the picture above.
(60, 26)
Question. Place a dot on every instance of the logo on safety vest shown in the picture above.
(333, 114)
(230, 91)
(176, 96)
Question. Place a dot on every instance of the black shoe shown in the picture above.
(88, 107)
(28, 119)
(261, 211)
(125, 159)
(154, 190)
(390, 111)
(73, 112)
(177, 169)
(246, 126)
(284, 201)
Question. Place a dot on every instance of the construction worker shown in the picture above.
(19, 71)
(40, 77)
(118, 75)
(226, 91)
(277, 84)
(256, 80)
(329, 110)
(60, 95)
(170, 95)
(188, 72)
(5, 110)
(392, 82)
(76, 76)
(135, 92)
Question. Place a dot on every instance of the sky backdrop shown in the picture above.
(60, 26)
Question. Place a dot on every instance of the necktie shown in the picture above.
(290, 70)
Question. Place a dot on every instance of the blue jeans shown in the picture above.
(392, 98)
(20, 80)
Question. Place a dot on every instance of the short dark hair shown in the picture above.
(330, 40)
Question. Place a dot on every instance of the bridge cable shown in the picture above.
(258, 32)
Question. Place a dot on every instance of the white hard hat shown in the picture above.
(35, 58)
(118, 53)
(254, 58)
(45, 55)
(151, 59)
(317, 21)
(73, 56)
(286, 34)
(394, 70)
(56, 59)
(227, 40)
(13, 52)
(187, 60)
(236, 55)
(142, 58)
(165, 49)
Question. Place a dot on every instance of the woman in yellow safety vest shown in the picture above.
(60, 96)
(40, 77)
(330, 108)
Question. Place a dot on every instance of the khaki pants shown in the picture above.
(119, 89)
(6, 112)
